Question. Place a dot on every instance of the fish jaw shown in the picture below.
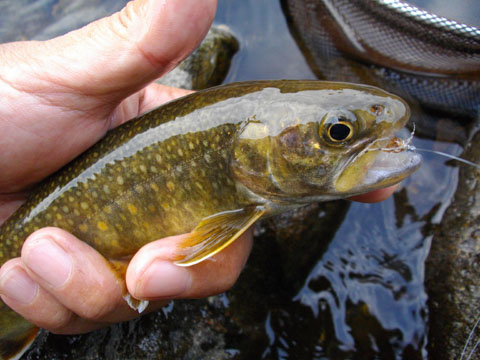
(376, 169)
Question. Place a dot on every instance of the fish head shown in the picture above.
(323, 144)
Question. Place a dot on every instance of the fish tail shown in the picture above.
(16, 333)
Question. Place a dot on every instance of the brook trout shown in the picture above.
(212, 163)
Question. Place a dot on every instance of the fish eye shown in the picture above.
(338, 127)
(340, 131)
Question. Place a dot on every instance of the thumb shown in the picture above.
(116, 56)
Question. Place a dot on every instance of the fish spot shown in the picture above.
(132, 208)
(155, 187)
(106, 189)
(153, 169)
(170, 186)
(143, 168)
(191, 146)
(180, 152)
(139, 188)
(151, 208)
(107, 209)
(84, 205)
(120, 180)
(158, 158)
(65, 209)
(58, 216)
(165, 206)
(102, 225)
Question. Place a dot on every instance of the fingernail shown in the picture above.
(18, 286)
(162, 279)
(48, 261)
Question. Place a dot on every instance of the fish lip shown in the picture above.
(390, 168)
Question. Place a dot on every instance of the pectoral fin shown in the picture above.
(215, 233)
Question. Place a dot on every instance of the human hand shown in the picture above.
(61, 96)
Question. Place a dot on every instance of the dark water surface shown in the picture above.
(353, 289)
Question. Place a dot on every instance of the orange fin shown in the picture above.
(16, 333)
(216, 232)
(120, 269)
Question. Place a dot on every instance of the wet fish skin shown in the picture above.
(211, 162)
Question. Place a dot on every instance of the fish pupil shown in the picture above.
(339, 132)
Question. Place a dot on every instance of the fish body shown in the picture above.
(211, 164)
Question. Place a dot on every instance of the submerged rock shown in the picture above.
(453, 268)
(208, 65)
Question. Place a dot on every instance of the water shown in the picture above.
(353, 291)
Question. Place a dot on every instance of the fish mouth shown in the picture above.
(377, 168)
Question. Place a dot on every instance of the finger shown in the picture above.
(152, 276)
(22, 294)
(375, 196)
(139, 103)
(115, 57)
(76, 275)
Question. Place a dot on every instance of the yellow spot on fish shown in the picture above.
(132, 209)
(197, 184)
(65, 209)
(58, 216)
(170, 186)
(143, 168)
(108, 209)
(151, 208)
(180, 152)
(155, 187)
(158, 158)
(120, 180)
(102, 225)
(138, 188)
(153, 169)
(106, 189)
(70, 222)
(191, 146)
(84, 205)
(165, 206)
